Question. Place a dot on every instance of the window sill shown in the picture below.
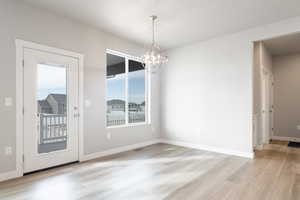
(128, 125)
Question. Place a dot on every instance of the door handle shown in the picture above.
(76, 115)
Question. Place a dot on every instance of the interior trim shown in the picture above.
(20, 45)
(210, 148)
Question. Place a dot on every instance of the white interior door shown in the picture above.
(265, 106)
(50, 109)
(271, 105)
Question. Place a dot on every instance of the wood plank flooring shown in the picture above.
(167, 172)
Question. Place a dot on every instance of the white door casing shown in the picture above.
(21, 45)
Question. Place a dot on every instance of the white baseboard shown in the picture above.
(118, 150)
(15, 174)
(293, 139)
(210, 148)
(177, 143)
(9, 175)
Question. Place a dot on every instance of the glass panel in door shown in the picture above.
(52, 108)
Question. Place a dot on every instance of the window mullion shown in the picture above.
(148, 89)
(126, 89)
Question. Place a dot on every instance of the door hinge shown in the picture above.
(23, 111)
(23, 158)
(23, 63)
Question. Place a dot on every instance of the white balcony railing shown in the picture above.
(52, 128)
(117, 118)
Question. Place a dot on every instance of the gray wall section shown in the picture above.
(19, 20)
(266, 57)
(286, 95)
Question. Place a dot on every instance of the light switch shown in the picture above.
(108, 135)
(8, 150)
(87, 103)
(8, 101)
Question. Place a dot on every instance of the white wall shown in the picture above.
(19, 20)
(286, 95)
(207, 89)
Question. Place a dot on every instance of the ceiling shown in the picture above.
(180, 22)
(284, 45)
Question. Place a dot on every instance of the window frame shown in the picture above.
(128, 57)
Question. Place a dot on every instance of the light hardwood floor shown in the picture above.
(168, 172)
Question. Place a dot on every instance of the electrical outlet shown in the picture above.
(153, 129)
(8, 150)
(108, 135)
(298, 127)
(8, 101)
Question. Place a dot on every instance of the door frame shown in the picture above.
(20, 45)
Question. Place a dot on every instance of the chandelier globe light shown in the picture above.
(153, 57)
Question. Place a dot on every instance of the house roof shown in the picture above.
(44, 104)
(116, 101)
(59, 98)
(121, 102)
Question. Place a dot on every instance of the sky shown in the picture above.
(50, 79)
(136, 87)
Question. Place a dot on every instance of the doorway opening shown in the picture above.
(276, 85)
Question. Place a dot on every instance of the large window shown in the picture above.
(126, 96)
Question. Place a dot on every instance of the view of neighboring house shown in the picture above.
(53, 104)
(119, 105)
(134, 107)
(115, 105)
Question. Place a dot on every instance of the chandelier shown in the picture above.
(153, 58)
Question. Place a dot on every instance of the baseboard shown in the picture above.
(177, 143)
(118, 150)
(209, 148)
(16, 174)
(259, 147)
(9, 175)
(293, 139)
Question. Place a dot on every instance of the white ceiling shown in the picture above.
(180, 21)
(284, 45)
